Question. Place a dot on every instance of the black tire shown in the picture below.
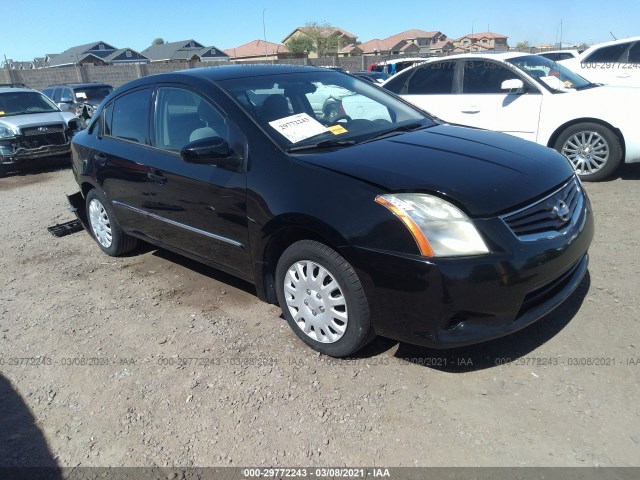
(358, 330)
(120, 243)
(606, 139)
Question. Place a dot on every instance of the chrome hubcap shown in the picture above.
(315, 301)
(588, 152)
(100, 223)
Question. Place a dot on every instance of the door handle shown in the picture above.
(157, 177)
(471, 109)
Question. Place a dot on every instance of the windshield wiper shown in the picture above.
(323, 144)
(394, 131)
(588, 85)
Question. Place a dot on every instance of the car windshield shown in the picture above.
(94, 93)
(18, 103)
(550, 73)
(321, 109)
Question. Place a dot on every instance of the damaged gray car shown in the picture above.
(33, 130)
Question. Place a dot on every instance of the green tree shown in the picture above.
(301, 44)
(326, 39)
(522, 45)
(158, 41)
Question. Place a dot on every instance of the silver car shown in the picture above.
(32, 128)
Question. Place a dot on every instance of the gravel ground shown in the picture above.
(154, 360)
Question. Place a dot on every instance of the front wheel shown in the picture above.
(322, 299)
(593, 150)
(105, 228)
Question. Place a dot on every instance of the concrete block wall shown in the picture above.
(117, 75)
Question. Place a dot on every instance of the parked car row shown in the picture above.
(354, 209)
(380, 221)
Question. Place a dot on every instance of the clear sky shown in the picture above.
(31, 28)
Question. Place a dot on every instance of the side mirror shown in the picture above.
(210, 151)
(513, 85)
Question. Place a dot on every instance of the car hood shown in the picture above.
(34, 119)
(484, 172)
(613, 93)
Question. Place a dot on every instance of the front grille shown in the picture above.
(550, 216)
(42, 135)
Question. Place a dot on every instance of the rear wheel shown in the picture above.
(322, 299)
(105, 228)
(593, 150)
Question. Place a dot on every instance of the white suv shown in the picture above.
(609, 63)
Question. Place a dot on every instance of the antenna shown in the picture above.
(614, 37)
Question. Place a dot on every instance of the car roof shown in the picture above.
(226, 72)
(558, 51)
(15, 89)
(78, 84)
(488, 55)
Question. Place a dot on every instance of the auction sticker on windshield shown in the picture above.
(298, 127)
(337, 129)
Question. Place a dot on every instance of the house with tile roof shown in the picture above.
(442, 47)
(482, 41)
(184, 50)
(338, 36)
(95, 53)
(409, 42)
(351, 50)
(257, 50)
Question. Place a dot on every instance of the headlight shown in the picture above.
(439, 228)
(6, 133)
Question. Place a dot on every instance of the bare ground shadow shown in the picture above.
(202, 269)
(627, 171)
(24, 452)
(53, 165)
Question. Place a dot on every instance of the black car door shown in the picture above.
(119, 156)
(199, 209)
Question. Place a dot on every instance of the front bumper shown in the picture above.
(453, 302)
(20, 155)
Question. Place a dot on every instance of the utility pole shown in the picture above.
(264, 34)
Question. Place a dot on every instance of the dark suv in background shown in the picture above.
(78, 98)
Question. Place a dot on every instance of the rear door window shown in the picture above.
(130, 118)
(481, 76)
(610, 54)
(432, 79)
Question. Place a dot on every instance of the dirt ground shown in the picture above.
(154, 360)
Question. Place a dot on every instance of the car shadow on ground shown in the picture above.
(488, 354)
(22, 444)
(628, 171)
(23, 171)
(197, 267)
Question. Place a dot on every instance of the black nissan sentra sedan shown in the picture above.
(374, 220)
